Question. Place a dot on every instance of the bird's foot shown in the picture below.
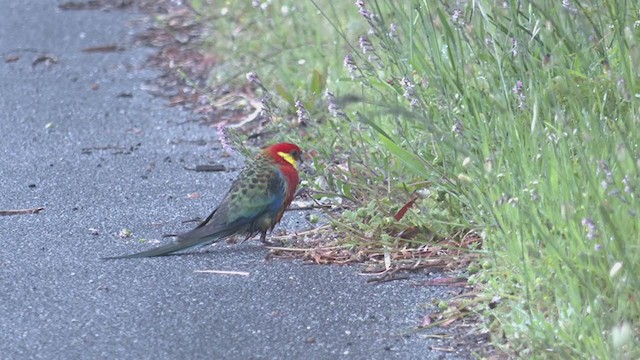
(272, 242)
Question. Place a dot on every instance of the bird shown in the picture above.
(253, 205)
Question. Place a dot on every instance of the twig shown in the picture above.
(449, 349)
(103, 48)
(21, 211)
(435, 336)
(388, 275)
(207, 168)
(223, 272)
(383, 279)
(302, 249)
(310, 207)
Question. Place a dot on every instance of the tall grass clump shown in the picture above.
(527, 114)
(515, 119)
(284, 42)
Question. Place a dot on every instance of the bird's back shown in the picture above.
(253, 204)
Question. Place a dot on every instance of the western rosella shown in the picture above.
(254, 204)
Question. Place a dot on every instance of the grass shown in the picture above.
(516, 120)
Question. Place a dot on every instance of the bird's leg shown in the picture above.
(263, 239)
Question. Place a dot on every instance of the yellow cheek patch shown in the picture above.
(288, 158)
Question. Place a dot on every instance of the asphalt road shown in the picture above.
(81, 137)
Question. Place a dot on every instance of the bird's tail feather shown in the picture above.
(185, 241)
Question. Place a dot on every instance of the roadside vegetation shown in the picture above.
(505, 129)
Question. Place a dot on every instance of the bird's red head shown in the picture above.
(285, 153)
